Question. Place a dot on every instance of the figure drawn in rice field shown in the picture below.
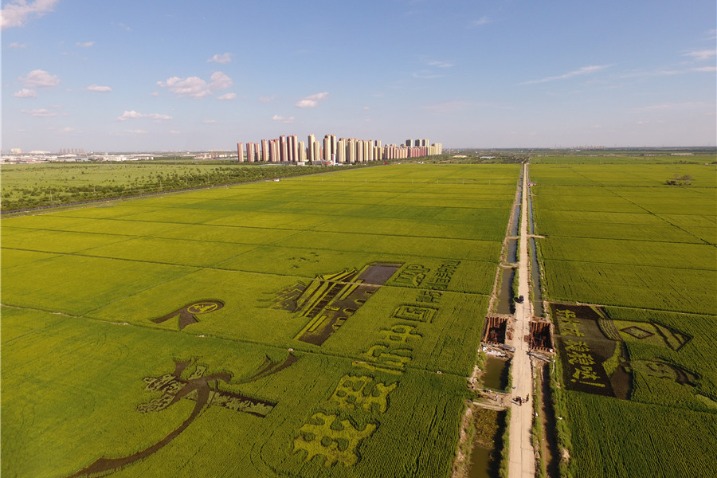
(204, 390)
(188, 313)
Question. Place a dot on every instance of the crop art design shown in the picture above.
(360, 397)
(335, 431)
(190, 380)
(329, 300)
(594, 351)
(187, 315)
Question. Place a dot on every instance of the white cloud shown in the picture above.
(17, 12)
(267, 99)
(668, 72)
(585, 70)
(39, 78)
(41, 113)
(136, 131)
(136, 115)
(196, 87)
(191, 86)
(85, 44)
(99, 88)
(439, 63)
(227, 97)
(25, 93)
(481, 21)
(209, 121)
(17, 45)
(312, 101)
(283, 119)
(220, 81)
(222, 58)
(701, 55)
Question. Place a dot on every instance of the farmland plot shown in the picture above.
(270, 329)
(644, 253)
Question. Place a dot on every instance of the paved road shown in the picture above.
(522, 455)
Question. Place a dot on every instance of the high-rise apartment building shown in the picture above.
(274, 151)
(294, 144)
(341, 151)
(288, 149)
(327, 148)
(283, 149)
(302, 152)
(264, 150)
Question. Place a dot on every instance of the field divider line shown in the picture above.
(234, 340)
(51, 229)
(613, 190)
(226, 269)
(295, 230)
(625, 239)
(79, 254)
(619, 306)
(630, 265)
(676, 312)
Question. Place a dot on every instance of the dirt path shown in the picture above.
(522, 455)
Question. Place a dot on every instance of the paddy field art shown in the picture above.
(317, 326)
(331, 325)
(629, 262)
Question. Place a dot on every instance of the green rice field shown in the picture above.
(321, 325)
(616, 235)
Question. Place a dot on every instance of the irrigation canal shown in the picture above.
(522, 456)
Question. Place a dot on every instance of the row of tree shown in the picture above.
(54, 195)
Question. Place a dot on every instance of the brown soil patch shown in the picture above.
(329, 300)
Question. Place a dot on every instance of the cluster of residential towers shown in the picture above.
(332, 150)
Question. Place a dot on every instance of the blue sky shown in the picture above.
(139, 75)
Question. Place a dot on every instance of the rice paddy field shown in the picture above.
(315, 326)
(643, 254)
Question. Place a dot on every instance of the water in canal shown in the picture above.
(496, 372)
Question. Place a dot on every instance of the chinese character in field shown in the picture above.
(571, 329)
(429, 296)
(580, 358)
(412, 275)
(400, 333)
(415, 312)
(336, 440)
(585, 375)
(576, 346)
(385, 359)
(362, 392)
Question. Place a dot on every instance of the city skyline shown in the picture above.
(332, 150)
(184, 76)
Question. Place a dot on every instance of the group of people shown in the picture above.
(521, 400)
